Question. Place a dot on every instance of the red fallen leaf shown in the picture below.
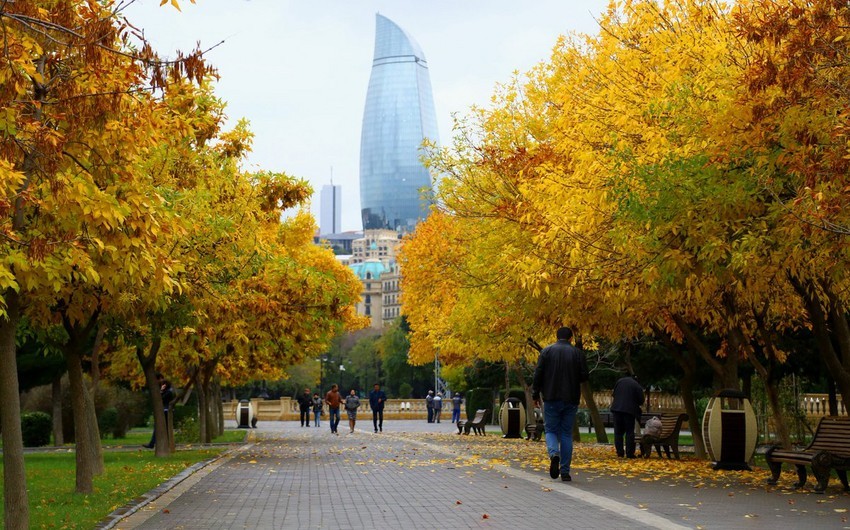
(458, 502)
(166, 510)
(485, 516)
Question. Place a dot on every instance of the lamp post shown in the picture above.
(322, 361)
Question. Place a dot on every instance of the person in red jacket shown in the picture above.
(333, 400)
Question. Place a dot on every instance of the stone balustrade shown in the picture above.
(818, 405)
(814, 405)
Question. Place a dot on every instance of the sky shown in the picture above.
(298, 70)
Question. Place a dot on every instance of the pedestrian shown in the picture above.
(352, 402)
(333, 399)
(429, 404)
(457, 400)
(628, 397)
(438, 406)
(166, 392)
(317, 409)
(305, 401)
(377, 398)
(561, 369)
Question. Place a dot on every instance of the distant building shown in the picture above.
(373, 260)
(341, 242)
(330, 209)
(399, 115)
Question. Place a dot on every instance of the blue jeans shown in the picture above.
(558, 417)
(333, 417)
(455, 415)
(317, 414)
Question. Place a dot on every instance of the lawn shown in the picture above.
(128, 474)
(137, 437)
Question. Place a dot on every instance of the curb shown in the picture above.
(138, 503)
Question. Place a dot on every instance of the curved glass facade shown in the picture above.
(399, 115)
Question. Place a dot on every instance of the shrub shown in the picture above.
(36, 428)
(107, 422)
(187, 430)
(479, 398)
(405, 390)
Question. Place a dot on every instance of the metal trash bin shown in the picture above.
(512, 418)
(245, 414)
(729, 430)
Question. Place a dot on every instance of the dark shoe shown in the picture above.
(566, 477)
(147, 446)
(376, 430)
(554, 466)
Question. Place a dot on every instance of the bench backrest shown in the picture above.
(479, 415)
(671, 422)
(832, 435)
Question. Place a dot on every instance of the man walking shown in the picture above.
(377, 398)
(429, 404)
(305, 401)
(628, 397)
(457, 399)
(333, 399)
(561, 368)
(438, 406)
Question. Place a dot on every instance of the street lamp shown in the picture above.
(341, 386)
(322, 361)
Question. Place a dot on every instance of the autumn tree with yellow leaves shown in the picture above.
(665, 178)
(113, 169)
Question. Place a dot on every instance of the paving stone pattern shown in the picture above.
(306, 478)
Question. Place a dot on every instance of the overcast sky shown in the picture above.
(298, 70)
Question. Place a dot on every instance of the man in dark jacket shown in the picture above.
(305, 401)
(628, 397)
(377, 398)
(561, 369)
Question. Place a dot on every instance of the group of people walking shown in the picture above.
(350, 403)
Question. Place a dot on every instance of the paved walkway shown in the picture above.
(305, 478)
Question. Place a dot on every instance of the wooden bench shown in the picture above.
(476, 424)
(830, 449)
(671, 424)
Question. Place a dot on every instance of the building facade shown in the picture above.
(373, 260)
(330, 209)
(398, 116)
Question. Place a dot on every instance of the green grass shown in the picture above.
(137, 437)
(128, 474)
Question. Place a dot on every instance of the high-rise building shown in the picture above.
(399, 115)
(330, 209)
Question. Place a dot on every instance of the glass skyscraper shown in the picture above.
(399, 114)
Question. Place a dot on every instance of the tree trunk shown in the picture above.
(56, 397)
(688, 363)
(780, 422)
(163, 443)
(87, 438)
(16, 515)
(821, 326)
(598, 426)
(95, 360)
(217, 406)
(203, 409)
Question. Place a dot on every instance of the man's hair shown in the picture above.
(564, 333)
(334, 386)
